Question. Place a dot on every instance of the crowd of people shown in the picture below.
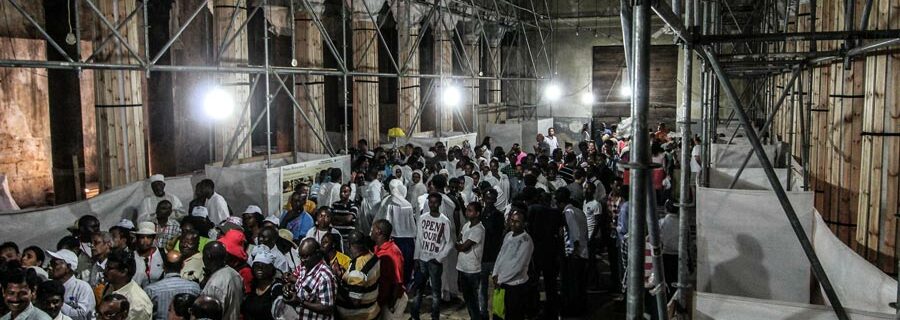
(482, 226)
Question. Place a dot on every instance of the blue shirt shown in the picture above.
(622, 224)
(300, 225)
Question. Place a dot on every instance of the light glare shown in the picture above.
(625, 91)
(451, 96)
(552, 92)
(217, 104)
(587, 98)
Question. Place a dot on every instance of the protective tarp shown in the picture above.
(44, 227)
(530, 129)
(746, 247)
(715, 306)
(253, 183)
(428, 139)
(505, 134)
(732, 155)
(858, 283)
(751, 178)
(7, 203)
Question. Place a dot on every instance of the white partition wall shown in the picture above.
(428, 139)
(44, 227)
(505, 134)
(709, 306)
(267, 187)
(746, 247)
(751, 178)
(732, 155)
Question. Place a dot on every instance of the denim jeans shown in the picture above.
(486, 269)
(427, 271)
(470, 285)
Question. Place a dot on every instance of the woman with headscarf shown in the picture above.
(468, 194)
(415, 189)
(397, 210)
(371, 197)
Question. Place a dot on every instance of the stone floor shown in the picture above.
(602, 306)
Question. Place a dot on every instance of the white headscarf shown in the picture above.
(467, 194)
(398, 211)
(416, 189)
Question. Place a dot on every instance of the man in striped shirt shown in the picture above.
(312, 294)
(344, 213)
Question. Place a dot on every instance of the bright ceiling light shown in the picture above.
(217, 103)
(451, 96)
(553, 92)
(625, 91)
(587, 98)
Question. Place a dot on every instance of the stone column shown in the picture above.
(491, 68)
(365, 59)
(471, 68)
(308, 52)
(443, 65)
(237, 84)
(119, 103)
(408, 16)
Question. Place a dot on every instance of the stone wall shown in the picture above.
(24, 124)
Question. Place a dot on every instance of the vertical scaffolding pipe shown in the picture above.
(640, 159)
(625, 17)
(656, 259)
(268, 91)
(684, 227)
(704, 125)
(789, 211)
(805, 119)
(344, 77)
(790, 139)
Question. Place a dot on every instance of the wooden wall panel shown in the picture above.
(309, 53)
(608, 62)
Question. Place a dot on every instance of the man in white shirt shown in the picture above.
(471, 248)
(574, 288)
(79, 300)
(433, 242)
(511, 270)
(214, 202)
(551, 140)
(330, 191)
(158, 187)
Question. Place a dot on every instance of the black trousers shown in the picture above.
(515, 301)
(547, 266)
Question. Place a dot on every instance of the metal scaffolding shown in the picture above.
(756, 58)
(522, 22)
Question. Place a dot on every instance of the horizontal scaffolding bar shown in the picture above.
(246, 70)
(799, 36)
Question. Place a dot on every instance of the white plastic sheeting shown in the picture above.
(44, 227)
(732, 155)
(716, 306)
(858, 283)
(7, 203)
(751, 178)
(253, 183)
(746, 247)
(530, 129)
(428, 139)
(505, 134)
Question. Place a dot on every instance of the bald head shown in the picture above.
(206, 307)
(173, 262)
(214, 255)
(310, 252)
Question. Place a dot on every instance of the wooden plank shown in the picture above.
(237, 84)
(365, 89)
(309, 53)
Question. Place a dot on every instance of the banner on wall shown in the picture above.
(306, 172)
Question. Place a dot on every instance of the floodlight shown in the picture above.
(552, 92)
(587, 98)
(451, 96)
(217, 103)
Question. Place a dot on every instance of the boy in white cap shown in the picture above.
(158, 187)
(79, 300)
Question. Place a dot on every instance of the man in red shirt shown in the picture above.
(391, 295)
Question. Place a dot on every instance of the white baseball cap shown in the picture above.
(66, 255)
(253, 209)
